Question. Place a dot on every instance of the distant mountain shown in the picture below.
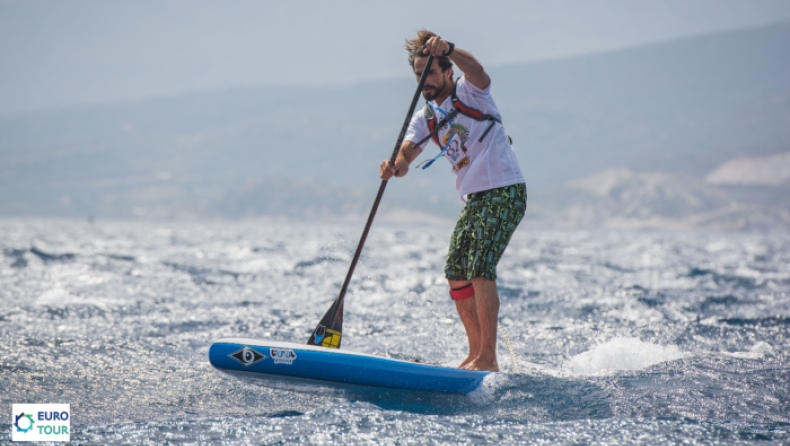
(620, 198)
(771, 170)
(682, 107)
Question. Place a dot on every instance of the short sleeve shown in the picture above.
(467, 87)
(418, 129)
(482, 100)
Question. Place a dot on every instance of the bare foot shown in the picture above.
(479, 364)
(466, 361)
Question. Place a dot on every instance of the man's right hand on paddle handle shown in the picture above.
(408, 151)
(400, 169)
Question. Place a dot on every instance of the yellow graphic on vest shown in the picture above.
(332, 339)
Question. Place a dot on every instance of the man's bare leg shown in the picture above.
(467, 311)
(487, 303)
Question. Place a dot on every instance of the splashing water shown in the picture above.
(623, 337)
(622, 354)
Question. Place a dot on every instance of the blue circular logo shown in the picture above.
(29, 426)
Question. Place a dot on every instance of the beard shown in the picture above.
(430, 92)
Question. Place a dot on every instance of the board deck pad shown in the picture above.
(271, 359)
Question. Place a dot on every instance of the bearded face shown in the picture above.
(438, 82)
(430, 92)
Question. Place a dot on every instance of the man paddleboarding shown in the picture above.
(461, 117)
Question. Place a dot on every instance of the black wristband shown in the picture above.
(449, 50)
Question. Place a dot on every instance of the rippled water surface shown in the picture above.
(618, 337)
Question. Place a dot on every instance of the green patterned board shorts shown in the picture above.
(483, 231)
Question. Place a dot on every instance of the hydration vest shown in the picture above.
(465, 110)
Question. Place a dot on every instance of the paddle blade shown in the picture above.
(328, 332)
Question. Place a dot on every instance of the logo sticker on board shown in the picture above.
(247, 356)
(283, 355)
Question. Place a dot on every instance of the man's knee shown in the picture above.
(482, 281)
(485, 287)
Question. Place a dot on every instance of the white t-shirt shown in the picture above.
(478, 165)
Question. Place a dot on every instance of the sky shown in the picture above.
(66, 53)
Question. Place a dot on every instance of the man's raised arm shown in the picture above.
(473, 71)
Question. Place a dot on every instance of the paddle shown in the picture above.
(328, 331)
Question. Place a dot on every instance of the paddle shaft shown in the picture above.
(384, 182)
(337, 306)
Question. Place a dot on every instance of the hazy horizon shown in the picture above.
(89, 53)
(688, 132)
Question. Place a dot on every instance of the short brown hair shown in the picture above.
(417, 45)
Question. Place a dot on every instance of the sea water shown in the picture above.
(619, 336)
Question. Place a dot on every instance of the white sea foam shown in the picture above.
(484, 394)
(58, 296)
(757, 351)
(622, 354)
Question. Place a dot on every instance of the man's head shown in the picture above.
(440, 77)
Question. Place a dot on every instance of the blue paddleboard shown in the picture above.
(272, 360)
